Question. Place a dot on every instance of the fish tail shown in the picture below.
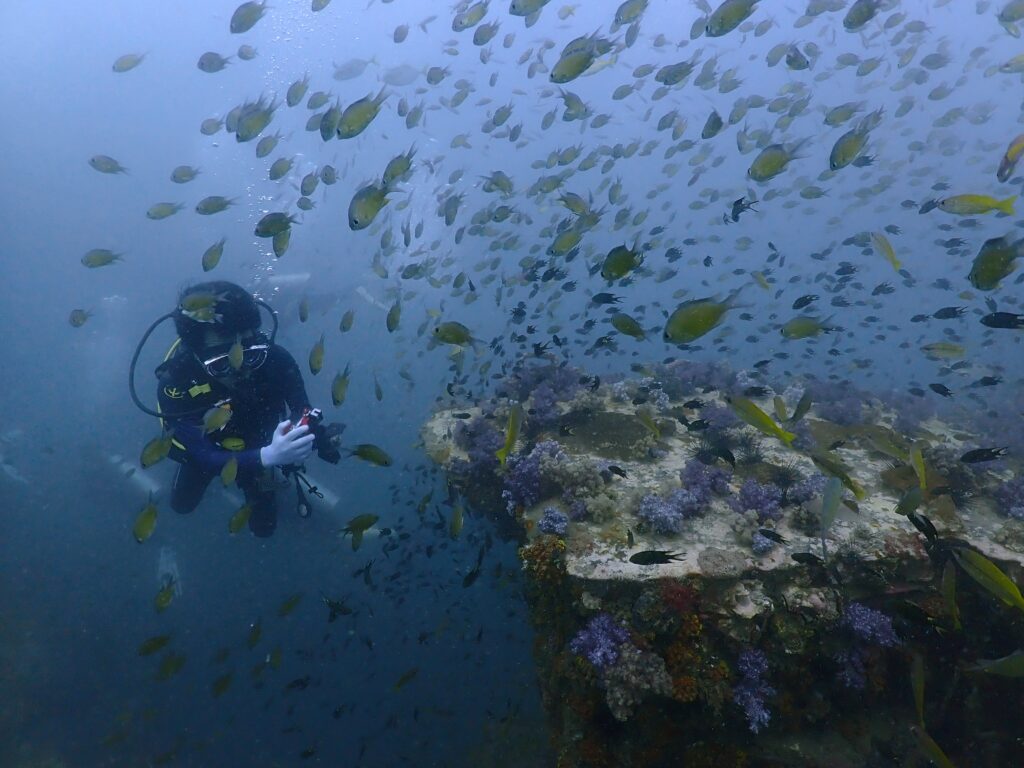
(502, 454)
(1006, 206)
(787, 437)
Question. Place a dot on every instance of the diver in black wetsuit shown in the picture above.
(223, 360)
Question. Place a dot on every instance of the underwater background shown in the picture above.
(824, 176)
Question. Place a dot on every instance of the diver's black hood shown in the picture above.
(235, 312)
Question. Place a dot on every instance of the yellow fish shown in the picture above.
(239, 519)
(884, 247)
(289, 604)
(360, 114)
(164, 596)
(229, 471)
(729, 15)
(394, 315)
(211, 257)
(406, 677)
(1009, 161)
(153, 644)
(749, 412)
(339, 387)
(695, 318)
(773, 160)
(221, 684)
(366, 204)
(255, 632)
(236, 355)
(515, 421)
(371, 453)
(155, 450)
(971, 205)
(316, 356)
(215, 419)
(455, 526)
(988, 576)
(170, 666)
(100, 257)
(917, 460)
(145, 523)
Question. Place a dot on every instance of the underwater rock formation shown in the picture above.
(710, 593)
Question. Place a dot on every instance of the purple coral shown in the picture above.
(554, 522)
(689, 375)
(752, 692)
(600, 640)
(761, 544)
(703, 480)
(718, 416)
(870, 626)
(544, 406)
(763, 498)
(1009, 498)
(811, 487)
(844, 411)
(700, 482)
(562, 380)
(851, 672)
(910, 411)
(839, 404)
(481, 441)
(577, 509)
(666, 515)
(523, 480)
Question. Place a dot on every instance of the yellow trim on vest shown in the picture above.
(199, 389)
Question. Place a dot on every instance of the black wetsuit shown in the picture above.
(258, 404)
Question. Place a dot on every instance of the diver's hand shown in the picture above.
(288, 446)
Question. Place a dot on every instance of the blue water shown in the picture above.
(76, 591)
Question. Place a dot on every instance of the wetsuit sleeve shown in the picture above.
(202, 452)
(293, 386)
(190, 444)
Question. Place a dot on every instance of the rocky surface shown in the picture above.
(727, 590)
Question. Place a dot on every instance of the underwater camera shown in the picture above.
(324, 437)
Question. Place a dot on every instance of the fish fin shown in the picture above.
(1006, 206)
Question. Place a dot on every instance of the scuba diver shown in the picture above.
(224, 390)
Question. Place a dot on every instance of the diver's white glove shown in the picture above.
(288, 446)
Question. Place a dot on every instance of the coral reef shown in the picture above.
(631, 678)
(523, 480)
(480, 440)
(689, 609)
(870, 626)
(666, 515)
(1009, 496)
(752, 692)
(553, 522)
(704, 481)
(763, 499)
(600, 641)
